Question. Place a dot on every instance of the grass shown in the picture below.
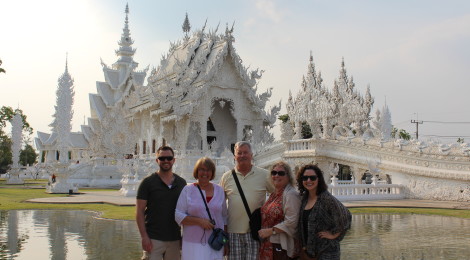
(27, 182)
(14, 198)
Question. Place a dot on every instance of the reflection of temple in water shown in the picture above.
(54, 234)
(406, 236)
(62, 234)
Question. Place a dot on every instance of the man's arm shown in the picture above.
(140, 219)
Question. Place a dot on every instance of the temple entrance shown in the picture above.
(344, 173)
(221, 126)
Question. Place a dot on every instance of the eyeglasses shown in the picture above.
(311, 177)
(165, 158)
(279, 173)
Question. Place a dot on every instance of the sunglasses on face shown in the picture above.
(279, 173)
(311, 177)
(165, 158)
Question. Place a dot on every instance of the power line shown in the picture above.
(444, 122)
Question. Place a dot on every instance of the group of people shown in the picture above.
(299, 220)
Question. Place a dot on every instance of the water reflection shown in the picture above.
(406, 236)
(63, 234)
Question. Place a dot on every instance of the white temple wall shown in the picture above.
(421, 187)
(51, 156)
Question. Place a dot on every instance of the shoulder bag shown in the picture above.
(219, 237)
(255, 216)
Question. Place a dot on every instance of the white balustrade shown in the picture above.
(367, 191)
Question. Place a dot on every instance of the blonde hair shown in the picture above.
(288, 170)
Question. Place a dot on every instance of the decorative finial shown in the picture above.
(204, 27)
(127, 13)
(66, 61)
(186, 26)
(233, 25)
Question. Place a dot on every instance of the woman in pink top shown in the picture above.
(191, 213)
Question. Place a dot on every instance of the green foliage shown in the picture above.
(7, 114)
(403, 134)
(306, 131)
(5, 153)
(1, 69)
(28, 155)
(460, 140)
(284, 118)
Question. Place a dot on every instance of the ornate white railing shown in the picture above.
(349, 182)
(367, 191)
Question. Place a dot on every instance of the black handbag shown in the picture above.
(219, 237)
(255, 216)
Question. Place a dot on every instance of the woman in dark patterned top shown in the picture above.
(323, 220)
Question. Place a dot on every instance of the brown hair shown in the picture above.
(206, 161)
(165, 148)
(321, 187)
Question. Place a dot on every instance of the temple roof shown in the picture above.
(191, 67)
(76, 140)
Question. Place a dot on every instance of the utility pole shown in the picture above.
(416, 122)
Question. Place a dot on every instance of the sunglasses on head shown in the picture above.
(311, 177)
(165, 158)
(279, 173)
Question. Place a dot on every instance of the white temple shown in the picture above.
(201, 100)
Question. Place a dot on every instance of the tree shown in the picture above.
(28, 155)
(7, 114)
(306, 131)
(460, 140)
(1, 69)
(403, 134)
(5, 154)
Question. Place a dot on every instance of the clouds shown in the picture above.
(270, 10)
(414, 53)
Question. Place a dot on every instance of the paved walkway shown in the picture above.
(115, 198)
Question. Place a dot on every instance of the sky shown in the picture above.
(414, 54)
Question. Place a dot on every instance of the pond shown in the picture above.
(63, 234)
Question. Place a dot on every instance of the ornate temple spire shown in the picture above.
(66, 62)
(62, 123)
(186, 27)
(343, 76)
(16, 138)
(311, 73)
(229, 33)
(125, 51)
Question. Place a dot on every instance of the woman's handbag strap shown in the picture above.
(205, 203)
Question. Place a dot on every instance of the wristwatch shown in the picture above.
(274, 231)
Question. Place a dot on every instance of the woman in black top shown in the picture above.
(323, 220)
